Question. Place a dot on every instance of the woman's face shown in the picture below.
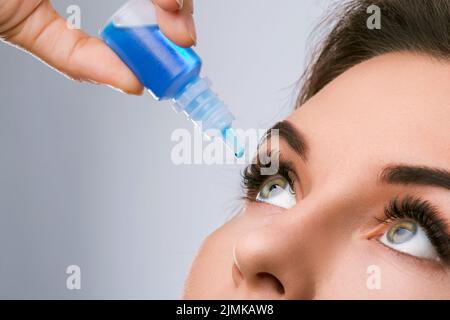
(363, 212)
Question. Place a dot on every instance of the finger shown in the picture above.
(81, 57)
(12, 12)
(178, 26)
(169, 5)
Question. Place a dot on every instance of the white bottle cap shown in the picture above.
(135, 13)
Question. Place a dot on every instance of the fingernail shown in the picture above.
(180, 4)
(190, 24)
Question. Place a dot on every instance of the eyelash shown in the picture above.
(419, 210)
(425, 215)
(252, 180)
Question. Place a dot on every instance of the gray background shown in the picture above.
(85, 171)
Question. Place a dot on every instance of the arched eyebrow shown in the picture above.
(294, 137)
(416, 175)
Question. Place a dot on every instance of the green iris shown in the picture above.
(402, 232)
(272, 187)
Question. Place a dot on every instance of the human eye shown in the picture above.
(413, 228)
(409, 237)
(276, 189)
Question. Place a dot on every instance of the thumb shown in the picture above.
(79, 56)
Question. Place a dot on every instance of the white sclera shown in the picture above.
(135, 13)
(280, 197)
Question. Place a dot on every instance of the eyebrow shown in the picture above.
(416, 175)
(294, 137)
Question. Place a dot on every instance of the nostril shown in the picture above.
(267, 277)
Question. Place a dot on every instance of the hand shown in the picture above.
(36, 27)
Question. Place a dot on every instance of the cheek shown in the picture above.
(404, 277)
(354, 273)
(365, 270)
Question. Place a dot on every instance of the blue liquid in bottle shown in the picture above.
(163, 67)
(169, 71)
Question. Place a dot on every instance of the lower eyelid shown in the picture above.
(410, 266)
(266, 208)
(413, 259)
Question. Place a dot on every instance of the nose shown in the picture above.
(272, 263)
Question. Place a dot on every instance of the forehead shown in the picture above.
(392, 108)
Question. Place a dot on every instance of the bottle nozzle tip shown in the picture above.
(232, 141)
(239, 153)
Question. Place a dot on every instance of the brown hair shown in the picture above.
(421, 26)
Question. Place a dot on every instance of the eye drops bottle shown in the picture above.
(168, 71)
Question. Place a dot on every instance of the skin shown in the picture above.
(36, 27)
(393, 108)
